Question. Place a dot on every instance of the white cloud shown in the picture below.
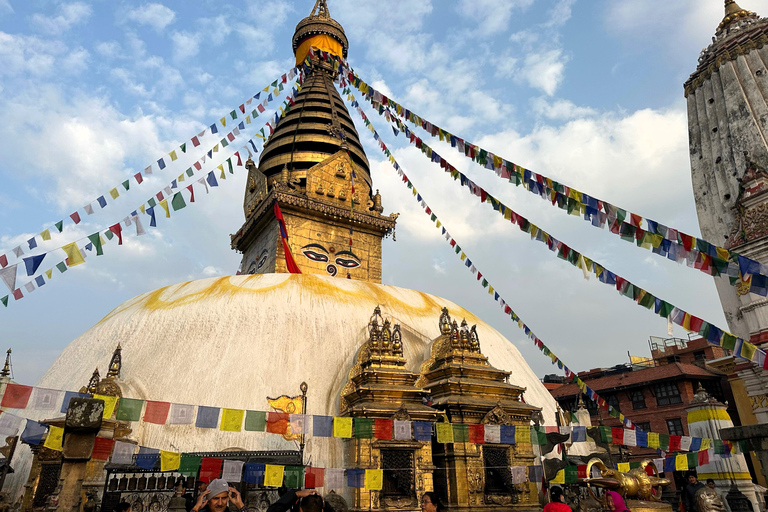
(155, 15)
(27, 55)
(71, 14)
(109, 49)
(492, 16)
(5, 6)
(76, 61)
(559, 109)
(560, 13)
(544, 70)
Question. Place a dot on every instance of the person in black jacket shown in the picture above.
(689, 493)
(307, 500)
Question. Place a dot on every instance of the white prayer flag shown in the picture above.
(630, 437)
(685, 443)
(168, 191)
(518, 474)
(181, 414)
(139, 227)
(402, 429)
(9, 424)
(123, 453)
(8, 276)
(88, 209)
(148, 170)
(203, 183)
(45, 399)
(30, 286)
(492, 433)
(659, 463)
(17, 251)
(333, 479)
(297, 423)
(232, 470)
(565, 430)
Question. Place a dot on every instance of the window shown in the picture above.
(613, 401)
(498, 477)
(667, 393)
(699, 356)
(645, 426)
(673, 359)
(675, 427)
(638, 399)
(714, 388)
(398, 473)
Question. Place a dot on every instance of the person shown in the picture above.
(217, 497)
(123, 507)
(556, 503)
(689, 493)
(294, 501)
(615, 502)
(190, 498)
(710, 483)
(431, 503)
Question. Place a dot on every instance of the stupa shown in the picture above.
(234, 341)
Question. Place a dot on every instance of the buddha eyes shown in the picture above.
(263, 259)
(344, 259)
(347, 262)
(314, 255)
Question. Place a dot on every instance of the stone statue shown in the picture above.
(707, 500)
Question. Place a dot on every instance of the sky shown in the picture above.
(586, 92)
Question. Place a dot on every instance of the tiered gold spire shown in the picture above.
(734, 12)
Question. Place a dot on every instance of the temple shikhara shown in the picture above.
(302, 370)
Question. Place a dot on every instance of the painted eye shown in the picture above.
(347, 262)
(263, 259)
(315, 256)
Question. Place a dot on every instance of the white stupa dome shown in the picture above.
(233, 341)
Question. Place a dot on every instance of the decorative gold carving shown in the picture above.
(708, 500)
(402, 414)
(504, 500)
(399, 502)
(497, 416)
(636, 483)
(759, 401)
(341, 171)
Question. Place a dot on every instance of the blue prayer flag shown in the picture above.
(254, 473)
(508, 434)
(211, 179)
(151, 213)
(40, 281)
(174, 185)
(695, 444)
(33, 263)
(669, 464)
(535, 473)
(102, 201)
(207, 417)
(214, 129)
(641, 438)
(356, 478)
(322, 426)
(579, 434)
(147, 457)
(34, 432)
(32, 243)
(161, 164)
(422, 430)
(68, 395)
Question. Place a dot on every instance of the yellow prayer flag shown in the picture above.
(101, 239)
(507, 214)
(273, 475)
(221, 168)
(142, 209)
(46, 235)
(560, 477)
(523, 434)
(723, 254)
(438, 224)
(747, 350)
(444, 432)
(173, 156)
(687, 322)
(705, 443)
(73, 254)
(223, 121)
(49, 272)
(656, 241)
(653, 440)
(247, 119)
(169, 461)
(164, 205)
(623, 467)
(374, 479)
(114, 193)
(266, 89)
(216, 148)
(232, 420)
(181, 177)
(490, 290)
(342, 427)
(681, 463)
(109, 404)
(463, 256)
(55, 438)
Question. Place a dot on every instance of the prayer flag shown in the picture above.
(207, 417)
(190, 464)
(69, 395)
(460, 433)
(342, 427)
(54, 439)
(109, 404)
(508, 434)
(210, 469)
(169, 461)
(180, 414)
(444, 432)
(16, 396)
(382, 429)
(477, 433)
(74, 257)
(277, 422)
(33, 263)
(363, 428)
(293, 477)
(298, 422)
(122, 453)
(147, 457)
(273, 475)
(255, 421)
(681, 463)
(232, 420)
(102, 448)
(402, 430)
(254, 473)
(334, 478)
(374, 479)
(356, 478)
(232, 470)
(492, 433)
(33, 432)
(314, 477)
(422, 430)
(322, 426)
(156, 412)
(522, 434)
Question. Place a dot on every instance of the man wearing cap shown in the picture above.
(217, 497)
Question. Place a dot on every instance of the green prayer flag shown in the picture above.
(59, 225)
(109, 235)
(96, 241)
(665, 309)
(233, 114)
(621, 215)
(614, 412)
(229, 163)
(294, 477)
(190, 172)
(4, 300)
(633, 465)
(433, 217)
(664, 441)
(129, 409)
(718, 446)
(178, 201)
(571, 474)
(363, 428)
(458, 249)
(61, 266)
(538, 436)
(693, 460)
(647, 301)
(255, 421)
(127, 184)
(190, 464)
(224, 143)
(255, 114)
(728, 341)
(485, 283)
(460, 433)
(183, 147)
(605, 434)
(151, 202)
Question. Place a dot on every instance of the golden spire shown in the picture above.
(115, 363)
(6, 371)
(320, 10)
(732, 13)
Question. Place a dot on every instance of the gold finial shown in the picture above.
(734, 12)
(6, 371)
(320, 10)
(94, 382)
(116, 363)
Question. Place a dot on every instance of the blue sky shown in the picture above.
(589, 93)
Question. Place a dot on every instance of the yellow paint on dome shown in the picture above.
(708, 414)
(724, 476)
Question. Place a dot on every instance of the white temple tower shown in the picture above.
(727, 99)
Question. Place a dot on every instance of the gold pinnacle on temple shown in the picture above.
(6, 371)
(734, 12)
(115, 363)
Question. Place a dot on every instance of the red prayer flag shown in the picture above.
(197, 166)
(696, 323)
(159, 196)
(195, 141)
(139, 178)
(156, 412)
(231, 136)
(261, 107)
(314, 477)
(290, 263)
(477, 433)
(17, 294)
(687, 241)
(703, 457)
(75, 218)
(192, 192)
(635, 219)
(674, 443)
(118, 230)
(382, 429)
(3, 261)
(581, 471)
(239, 160)
(210, 469)
(617, 435)
(277, 422)
(102, 448)
(16, 396)
(242, 108)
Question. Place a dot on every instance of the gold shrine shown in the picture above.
(462, 387)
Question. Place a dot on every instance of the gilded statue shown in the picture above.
(636, 483)
(707, 500)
